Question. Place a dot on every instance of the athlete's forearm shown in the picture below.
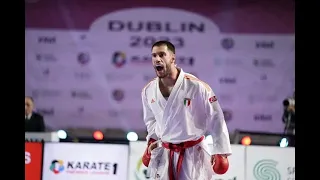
(219, 132)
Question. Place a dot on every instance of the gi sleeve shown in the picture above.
(217, 126)
(148, 118)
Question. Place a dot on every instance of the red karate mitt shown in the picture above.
(221, 164)
(147, 155)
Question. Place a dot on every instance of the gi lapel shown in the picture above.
(174, 94)
(162, 100)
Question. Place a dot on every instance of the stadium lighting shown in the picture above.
(246, 141)
(62, 134)
(263, 139)
(132, 136)
(284, 142)
(98, 135)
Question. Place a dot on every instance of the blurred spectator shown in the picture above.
(288, 116)
(33, 121)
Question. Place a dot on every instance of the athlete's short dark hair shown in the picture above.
(169, 45)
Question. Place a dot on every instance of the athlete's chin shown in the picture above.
(161, 74)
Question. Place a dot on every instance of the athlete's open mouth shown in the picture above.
(159, 67)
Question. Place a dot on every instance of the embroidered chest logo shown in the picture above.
(213, 99)
(152, 101)
(187, 102)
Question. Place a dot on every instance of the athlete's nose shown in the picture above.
(158, 59)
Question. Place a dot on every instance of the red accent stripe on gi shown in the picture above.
(178, 148)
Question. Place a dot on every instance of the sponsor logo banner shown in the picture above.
(70, 161)
(270, 163)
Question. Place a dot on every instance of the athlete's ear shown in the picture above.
(173, 60)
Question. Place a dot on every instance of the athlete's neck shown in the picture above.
(172, 78)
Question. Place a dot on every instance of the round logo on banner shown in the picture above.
(118, 94)
(56, 166)
(266, 169)
(118, 59)
(133, 32)
(83, 58)
(227, 43)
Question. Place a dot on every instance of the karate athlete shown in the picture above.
(178, 110)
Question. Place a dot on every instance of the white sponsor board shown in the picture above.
(272, 163)
(85, 161)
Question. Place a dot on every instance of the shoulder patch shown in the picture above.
(213, 99)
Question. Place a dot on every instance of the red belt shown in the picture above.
(178, 148)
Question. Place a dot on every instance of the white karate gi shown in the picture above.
(190, 111)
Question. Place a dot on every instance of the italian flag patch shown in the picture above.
(187, 102)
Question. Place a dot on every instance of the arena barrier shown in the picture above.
(87, 161)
